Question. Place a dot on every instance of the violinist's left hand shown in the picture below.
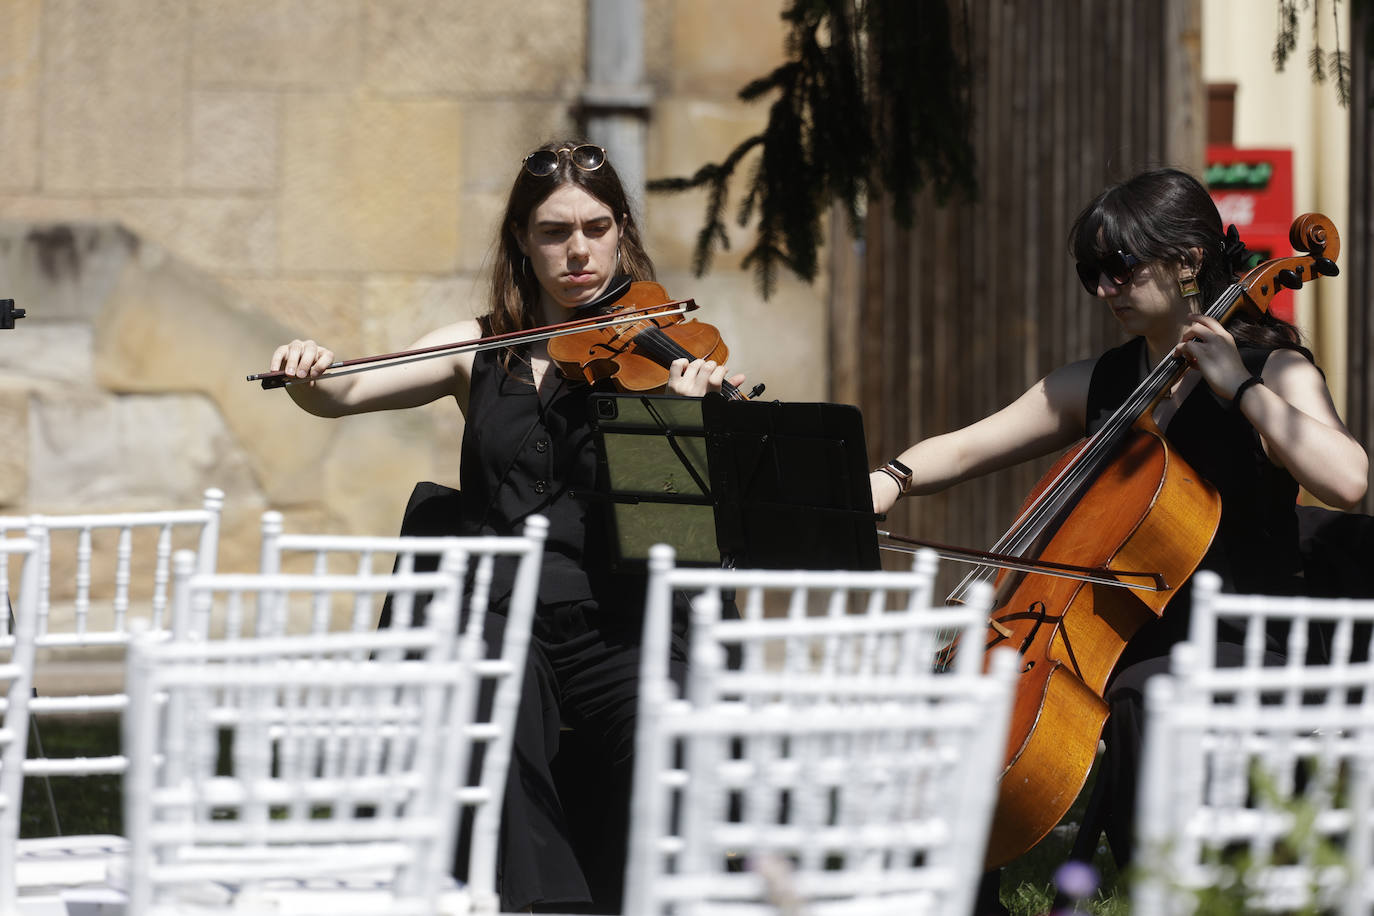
(1209, 348)
(699, 376)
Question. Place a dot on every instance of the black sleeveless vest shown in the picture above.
(522, 457)
(1256, 545)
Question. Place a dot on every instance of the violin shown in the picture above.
(636, 355)
(632, 335)
(1117, 509)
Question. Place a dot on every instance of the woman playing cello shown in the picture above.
(566, 238)
(1252, 415)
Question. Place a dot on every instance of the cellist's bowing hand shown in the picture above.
(302, 359)
(696, 377)
(885, 492)
(1209, 348)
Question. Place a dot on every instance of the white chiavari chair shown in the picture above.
(16, 682)
(304, 773)
(827, 757)
(98, 573)
(1257, 784)
(500, 668)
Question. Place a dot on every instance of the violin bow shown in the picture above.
(279, 379)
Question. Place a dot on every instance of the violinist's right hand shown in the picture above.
(302, 359)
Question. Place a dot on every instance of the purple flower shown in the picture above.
(1076, 880)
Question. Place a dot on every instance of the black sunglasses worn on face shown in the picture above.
(586, 157)
(1119, 267)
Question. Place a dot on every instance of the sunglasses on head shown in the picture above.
(586, 157)
(1119, 266)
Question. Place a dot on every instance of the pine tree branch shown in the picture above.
(872, 98)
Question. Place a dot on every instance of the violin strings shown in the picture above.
(662, 349)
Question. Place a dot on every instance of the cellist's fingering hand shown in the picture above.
(699, 376)
(302, 358)
(1209, 348)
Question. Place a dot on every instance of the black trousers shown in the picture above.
(566, 818)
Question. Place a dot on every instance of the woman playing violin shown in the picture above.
(566, 238)
(1252, 414)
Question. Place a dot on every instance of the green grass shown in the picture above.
(73, 805)
(1028, 882)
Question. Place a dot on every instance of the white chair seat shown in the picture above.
(358, 893)
(44, 864)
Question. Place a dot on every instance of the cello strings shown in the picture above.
(1035, 521)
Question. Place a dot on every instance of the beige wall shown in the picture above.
(186, 183)
(1288, 110)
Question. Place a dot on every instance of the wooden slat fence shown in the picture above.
(1357, 241)
(937, 326)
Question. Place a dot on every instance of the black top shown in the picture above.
(523, 456)
(1255, 550)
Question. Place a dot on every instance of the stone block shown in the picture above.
(61, 271)
(370, 184)
(213, 233)
(35, 208)
(284, 43)
(168, 328)
(398, 311)
(508, 130)
(20, 91)
(689, 133)
(114, 94)
(385, 455)
(48, 352)
(14, 455)
(90, 449)
(719, 46)
(233, 140)
(475, 49)
(328, 310)
(779, 341)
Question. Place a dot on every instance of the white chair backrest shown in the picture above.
(16, 675)
(1304, 631)
(96, 573)
(297, 757)
(501, 668)
(113, 566)
(1257, 787)
(825, 743)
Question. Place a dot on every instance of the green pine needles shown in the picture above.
(873, 95)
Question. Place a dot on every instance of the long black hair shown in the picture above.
(1162, 215)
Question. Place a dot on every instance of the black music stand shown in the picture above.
(760, 484)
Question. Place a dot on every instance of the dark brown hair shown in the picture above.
(1161, 215)
(514, 288)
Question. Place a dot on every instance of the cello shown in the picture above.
(1121, 501)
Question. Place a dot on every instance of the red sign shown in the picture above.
(1253, 189)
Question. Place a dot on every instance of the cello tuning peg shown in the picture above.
(1326, 267)
(1288, 279)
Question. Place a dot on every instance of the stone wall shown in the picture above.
(185, 184)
